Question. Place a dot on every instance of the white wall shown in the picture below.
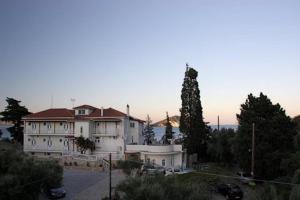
(85, 125)
(47, 143)
(172, 154)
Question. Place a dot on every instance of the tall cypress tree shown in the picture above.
(169, 131)
(148, 132)
(191, 120)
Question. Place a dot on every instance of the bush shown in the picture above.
(167, 188)
(128, 165)
(22, 177)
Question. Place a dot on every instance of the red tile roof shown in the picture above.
(63, 113)
(109, 112)
(52, 113)
(85, 107)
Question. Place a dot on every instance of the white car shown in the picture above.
(245, 178)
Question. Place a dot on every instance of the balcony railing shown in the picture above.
(109, 134)
(50, 133)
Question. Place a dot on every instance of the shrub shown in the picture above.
(128, 165)
(18, 169)
(160, 187)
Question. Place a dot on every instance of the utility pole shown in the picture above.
(253, 150)
(109, 176)
(218, 124)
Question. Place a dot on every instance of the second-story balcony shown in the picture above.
(106, 134)
(51, 133)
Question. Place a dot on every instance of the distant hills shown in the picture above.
(174, 120)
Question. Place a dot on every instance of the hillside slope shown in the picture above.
(174, 120)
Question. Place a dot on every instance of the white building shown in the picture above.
(53, 132)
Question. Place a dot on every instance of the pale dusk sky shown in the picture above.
(113, 53)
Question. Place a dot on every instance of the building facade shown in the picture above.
(52, 132)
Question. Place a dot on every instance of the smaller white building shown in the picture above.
(168, 156)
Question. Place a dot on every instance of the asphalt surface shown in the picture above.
(85, 184)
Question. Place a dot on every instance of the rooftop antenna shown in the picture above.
(187, 65)
(73, 101)
(51, 100)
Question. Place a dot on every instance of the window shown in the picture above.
(33, 126)
(48, 154)
(49, 143)
(98, 124)
(132, 124)
(28, 139)
(153, 161)
(32, 153)
(65, 126)
(81, 112)
(81, 129)
(29, 123)
(44, 139)
(66, 143)
(163, 162)
(60, 123)
(60, 140)
(49, 125)
(44, 123)
(33, 142)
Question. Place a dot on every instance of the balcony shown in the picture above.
(108, 134)
(68, 133)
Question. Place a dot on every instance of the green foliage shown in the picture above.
(148, 132)
(128, 165)
(192, 125)
(274, 132)
(220, 146)
(163, 188)
(13, 113)
(21, 177)
(269, 192)
(169, 131)
(295, 193)
(84, 143)
(290, 164)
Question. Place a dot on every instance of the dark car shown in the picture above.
(55, 193)
(230, 191)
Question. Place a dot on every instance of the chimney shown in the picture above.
(102, 111)
(127, 111)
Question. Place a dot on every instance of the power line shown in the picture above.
(228, 176)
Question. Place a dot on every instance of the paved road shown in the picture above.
(89, 185)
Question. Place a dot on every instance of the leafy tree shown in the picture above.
(84, 144)
(22, 177)
(191, 120)
(148, 132)
(295, 193)
(274, 132)
(220, 146)
(169, 132)
(13, 113)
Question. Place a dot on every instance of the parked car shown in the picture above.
(55, 193)
(245, 177)
(230, 191)
(153, 170)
